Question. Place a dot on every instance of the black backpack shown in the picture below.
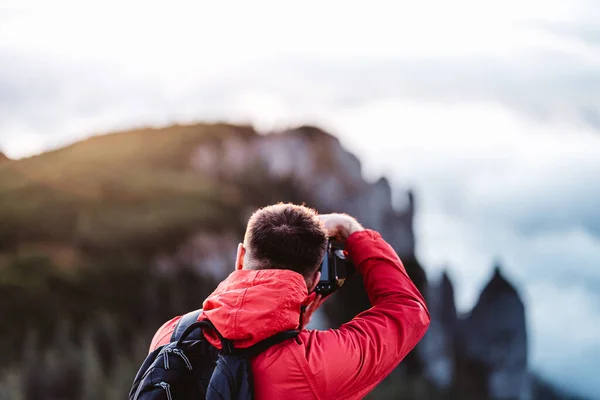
(190, 368)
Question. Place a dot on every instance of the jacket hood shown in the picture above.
(250, 306)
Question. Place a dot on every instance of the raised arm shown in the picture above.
(352, 360)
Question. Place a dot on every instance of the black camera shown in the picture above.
(336, 267)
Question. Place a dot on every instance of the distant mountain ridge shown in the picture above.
(176, 199)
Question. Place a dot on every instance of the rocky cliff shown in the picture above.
(321, 168)
(494, 336)
(482, 355)
(437, 349)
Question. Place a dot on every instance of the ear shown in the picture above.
(315, 280)
(239, 258)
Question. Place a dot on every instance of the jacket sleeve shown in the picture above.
(350, 361)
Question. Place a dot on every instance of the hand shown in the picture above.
(340, 226)
(311, 308)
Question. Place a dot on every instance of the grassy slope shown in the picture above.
(114, 191)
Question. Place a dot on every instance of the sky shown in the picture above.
(490, 112)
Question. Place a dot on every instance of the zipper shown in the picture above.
(165, 353)
(180, 353)
(167, 389)
(183, 356)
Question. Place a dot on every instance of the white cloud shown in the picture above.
(572, 316)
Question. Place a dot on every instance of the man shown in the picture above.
(276, 272)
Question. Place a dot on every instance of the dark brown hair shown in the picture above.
(286, 236)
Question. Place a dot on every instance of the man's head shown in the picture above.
(284, 236)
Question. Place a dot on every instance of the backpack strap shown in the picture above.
(263, 345)
(185, 321)
(189, 322)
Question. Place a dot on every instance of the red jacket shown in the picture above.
(344, 363)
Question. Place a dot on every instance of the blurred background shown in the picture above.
(137, 138)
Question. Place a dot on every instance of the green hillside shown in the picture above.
(128, 190)
(133, 191)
